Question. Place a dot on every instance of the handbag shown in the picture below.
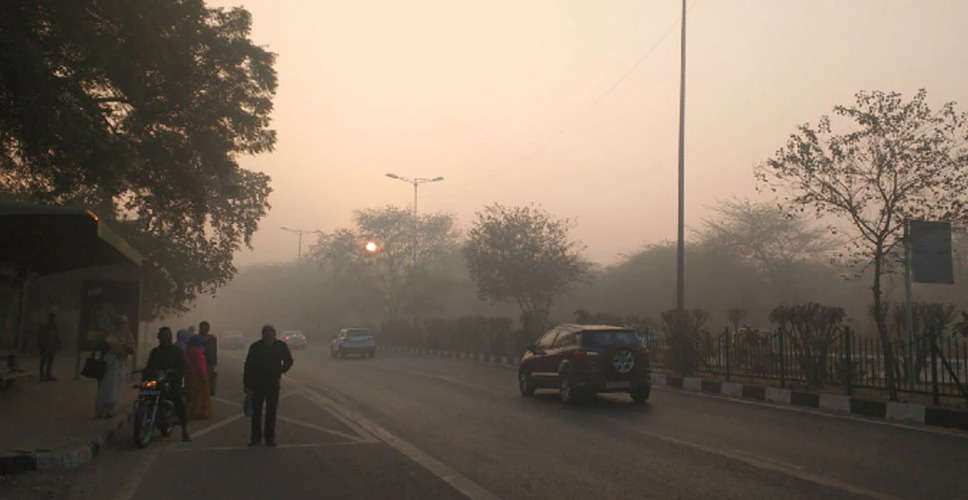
(94, 367)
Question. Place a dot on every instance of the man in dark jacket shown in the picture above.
(267, 360)
(169, 357)
(210, 346)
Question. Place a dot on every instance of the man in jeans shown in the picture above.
(267, 360)
(210, 347)
(48, 341)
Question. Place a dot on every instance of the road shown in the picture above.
(404, 426)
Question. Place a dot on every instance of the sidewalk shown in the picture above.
(51, 424)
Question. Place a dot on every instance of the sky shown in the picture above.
(570, 105)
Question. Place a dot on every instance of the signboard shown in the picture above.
(102, 305)
(931, 252)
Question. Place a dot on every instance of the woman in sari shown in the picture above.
(115, 349)
(196, 380)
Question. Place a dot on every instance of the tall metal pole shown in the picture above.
(908, 313)
(299, 252)
(413, 247)
(681, 247)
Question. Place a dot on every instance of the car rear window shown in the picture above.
(609, 338)
(360, 335)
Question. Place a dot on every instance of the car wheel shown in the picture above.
(525, 384)
(640, 396)
(567, 392)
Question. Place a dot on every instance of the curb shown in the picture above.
(834, 403)
(68, 457)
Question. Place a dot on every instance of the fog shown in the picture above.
(570, 105)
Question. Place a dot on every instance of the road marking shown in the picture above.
(450, 476)
(355, 442)
(330, 406)
(820, 413)
(768, 464)
(217, 425)
(356, 438)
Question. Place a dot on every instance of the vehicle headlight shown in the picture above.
(151, 384)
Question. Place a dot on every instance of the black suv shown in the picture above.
(582, 360)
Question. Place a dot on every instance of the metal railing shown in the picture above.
(938, 363)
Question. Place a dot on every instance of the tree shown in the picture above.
(898, 161)
(139, 111)
(765, 235)
(390, 275)
(523, 255)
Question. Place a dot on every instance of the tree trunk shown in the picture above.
(881, 322)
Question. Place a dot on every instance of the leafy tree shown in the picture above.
(523, 255)
(899, 160)
(139, 111)
(390, 275)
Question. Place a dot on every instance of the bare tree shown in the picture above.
(898, 161)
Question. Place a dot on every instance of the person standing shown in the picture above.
(115, 349)
(168, 357)
(211, 353)
(182, 338)
(265, 363)
(196, 380)
(48, 342)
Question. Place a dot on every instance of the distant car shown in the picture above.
(353, 342)
(231, 340)
(583, 360)
(295, 339)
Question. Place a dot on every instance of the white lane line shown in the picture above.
(819, 413)
(769, 465)
(217, 425)
(356, 438)
(281, 446)
(447, 474)
(331, 407)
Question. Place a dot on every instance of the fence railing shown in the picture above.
(933, 364)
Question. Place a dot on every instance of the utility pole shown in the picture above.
(681, 245)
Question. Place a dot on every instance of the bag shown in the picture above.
(94, 368)
(247, 404)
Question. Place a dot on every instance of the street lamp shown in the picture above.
(300, 233)
(416, 181)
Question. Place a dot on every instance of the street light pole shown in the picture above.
(681, 245)
(416, 181)
(300, 232)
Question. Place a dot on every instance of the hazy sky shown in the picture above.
(515, 101)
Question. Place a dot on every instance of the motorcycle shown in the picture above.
(153, 410)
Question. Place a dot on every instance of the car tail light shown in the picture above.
(645, 354)
(581, 354)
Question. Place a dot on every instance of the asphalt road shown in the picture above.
(403, 426)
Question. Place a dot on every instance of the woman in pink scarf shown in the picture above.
(196, 380)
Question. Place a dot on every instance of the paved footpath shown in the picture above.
(403, 426)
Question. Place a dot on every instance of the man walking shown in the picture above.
(210, 348)
(48, 341)
(267, 360)
(167, 356)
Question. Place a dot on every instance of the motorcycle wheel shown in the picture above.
(143, 427)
